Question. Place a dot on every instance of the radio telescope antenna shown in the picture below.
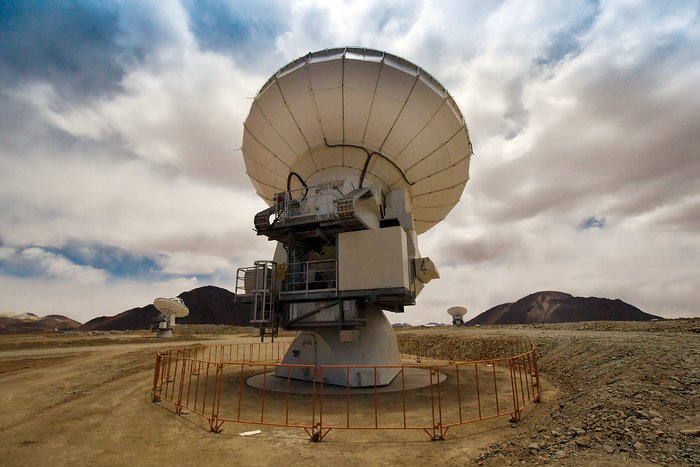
(170, 308)
(457, 313)
(356, 151)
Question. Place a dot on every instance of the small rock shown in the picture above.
(608, 449)
(560, 454)
(640, 447)
(583, 442)
(691, 432)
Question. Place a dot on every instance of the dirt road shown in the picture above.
(610, 395)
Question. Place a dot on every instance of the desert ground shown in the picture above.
(613, 393)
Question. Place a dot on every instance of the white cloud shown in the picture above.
(650, 269)
(576, 109)
(178, 115)
(84, 301)
(58, 267)
(187, 263)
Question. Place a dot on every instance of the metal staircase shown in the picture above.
(260, 284)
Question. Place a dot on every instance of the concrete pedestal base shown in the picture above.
(164, 333)
(373, 345)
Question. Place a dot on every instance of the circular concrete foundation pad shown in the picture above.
(413, 378)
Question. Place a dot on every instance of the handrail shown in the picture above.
(310, 276)
(316, 202)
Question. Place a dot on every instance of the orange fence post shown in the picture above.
(478, 389)
(181, 385)
(522, 387)
(347, 397)
(538, 397)
(437, 381)
(514, 389)
(171, 365)
(214, 424)
(459, 393)
(495, 387)
(156, 377)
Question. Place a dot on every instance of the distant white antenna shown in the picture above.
(170, 308)
(457, 313)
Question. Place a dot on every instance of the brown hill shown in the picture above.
(29, 322)
(559, 307)
(207, 305)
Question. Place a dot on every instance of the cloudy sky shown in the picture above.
(120, 122)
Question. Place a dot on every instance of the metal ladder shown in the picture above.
(264, 298)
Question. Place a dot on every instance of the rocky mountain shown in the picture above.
(207, 305)
(11, 323)
(559, 307)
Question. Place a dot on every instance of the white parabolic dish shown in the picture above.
(332, 114)
(457, 311)
(171, 306)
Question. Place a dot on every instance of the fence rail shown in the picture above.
(434, 397)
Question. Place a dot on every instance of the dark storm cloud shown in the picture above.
(493, 246)
(71, 44)
(225, 26)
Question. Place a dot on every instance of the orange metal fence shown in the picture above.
(213, 383)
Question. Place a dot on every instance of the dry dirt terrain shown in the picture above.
(612, 394)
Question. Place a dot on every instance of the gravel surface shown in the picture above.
(613, 393)
(627, 392)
